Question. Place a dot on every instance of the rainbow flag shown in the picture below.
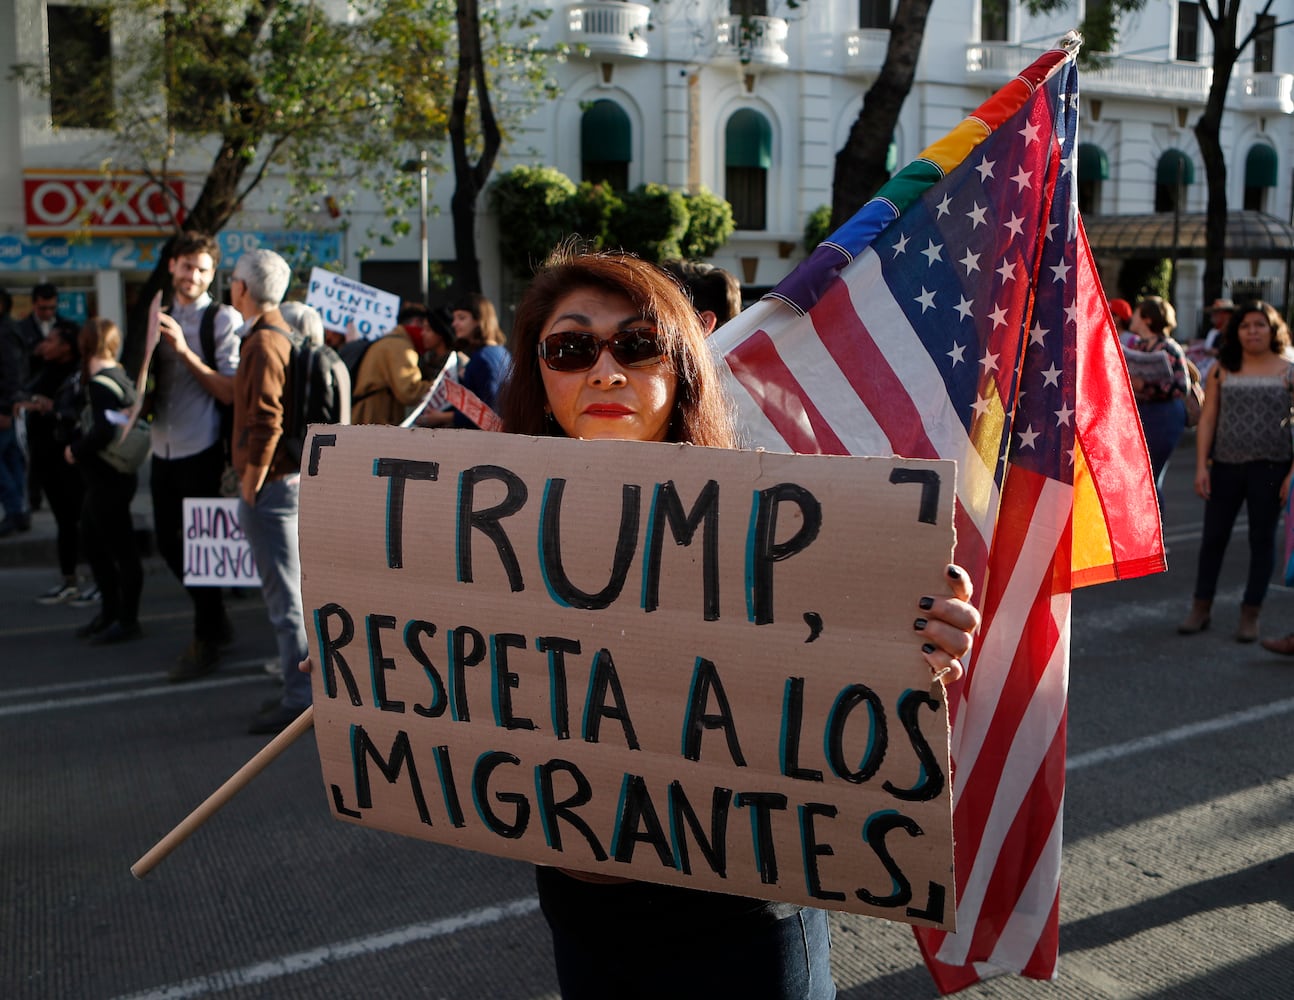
(959, 315)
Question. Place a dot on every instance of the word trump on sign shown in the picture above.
(216, 552)
(654, 661)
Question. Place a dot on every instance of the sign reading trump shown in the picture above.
(654, 661)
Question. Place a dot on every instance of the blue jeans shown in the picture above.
(13, 474)
(1257, 486)
(1162, 423)
(271, 529)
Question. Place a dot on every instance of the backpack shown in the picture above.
(1194, 394)
(352, 355)
(317, 391)
(207, 335)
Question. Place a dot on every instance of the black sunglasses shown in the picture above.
(573, 351)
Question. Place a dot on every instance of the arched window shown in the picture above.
(748, 153)
(606, 145)
(1172, 176)
(1093, 168)
(1260, 174)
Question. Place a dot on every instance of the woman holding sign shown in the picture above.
(1160, 399)
(608, 347)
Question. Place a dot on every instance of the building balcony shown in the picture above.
(609, 29)
(1268, 92)
(864, 51)
(998, 62)
(757, 42)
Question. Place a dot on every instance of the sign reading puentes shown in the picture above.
(343, 301)
(655, 661)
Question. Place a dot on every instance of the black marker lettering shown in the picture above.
(487, 521)
(397, 470)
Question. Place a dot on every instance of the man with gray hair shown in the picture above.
(269, 478)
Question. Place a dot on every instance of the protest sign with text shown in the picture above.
(343, 302)
(216, 551)
(655, 661)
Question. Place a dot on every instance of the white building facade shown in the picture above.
(751, 100)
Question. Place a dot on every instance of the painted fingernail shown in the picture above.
(919, 624)
(926, 603)
(954, 573)
(928, 647)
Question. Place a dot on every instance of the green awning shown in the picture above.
(1093, 164)
(748, 140)
(1260, 167)
(1175, 166)
(605, 134)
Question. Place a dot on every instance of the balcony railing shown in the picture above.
(1268, 92)
(865, 51)
(609, 28)
(998, 62)
(751, 41)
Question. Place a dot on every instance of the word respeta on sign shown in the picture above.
(654, 661)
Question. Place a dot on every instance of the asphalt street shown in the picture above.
(1179, 828)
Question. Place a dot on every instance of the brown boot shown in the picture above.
(1247, 631)
(1198, 619)
(1284, 645)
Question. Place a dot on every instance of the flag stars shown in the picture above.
(1061, 271)
(1062, 420)
(1030, 133)
(976, 215)
(942, 207)
(926, 298)
(1052, 376)
(1023, 180)
(970, 261)
(902, 245)
(981, 405)
(998, 316)
(1016, 225)
(1051, 228)
(932, 252)
(1028, 436)
(958, 354)
(964, 308)
(989, 362)
(1037, 334)
(985, 168)
(1006, 271)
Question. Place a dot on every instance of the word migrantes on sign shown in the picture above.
(656, 661)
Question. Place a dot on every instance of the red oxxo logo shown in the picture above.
(124, 205)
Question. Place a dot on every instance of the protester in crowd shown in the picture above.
(13, 462)
(1121, 310)
(52, 408)
(1203, 350)
(33, 330)
(269, 478)
(613, 937)
(107, 530)
(389, 379)
(1243, 455)
(715, 293)
(1160, 401)
(193, 384)
(439, 342)
(476, 326)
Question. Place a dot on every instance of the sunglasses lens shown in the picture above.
(569, 352)
(636, 348)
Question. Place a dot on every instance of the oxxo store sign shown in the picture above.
(88, 203)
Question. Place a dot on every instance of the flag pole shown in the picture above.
(235, 784)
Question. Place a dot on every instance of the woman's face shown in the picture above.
(464, 326)
(1255, 333)
(1139, 326)
(609, 400)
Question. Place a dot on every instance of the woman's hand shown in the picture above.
(946, 625)
(68, 457)
(306, 665)
(1202, 484)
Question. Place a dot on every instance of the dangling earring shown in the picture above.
(552, 426)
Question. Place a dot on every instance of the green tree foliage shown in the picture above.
(652, 222)
(817, 227)
(1139, 277)
(709, 224)
(534, 204)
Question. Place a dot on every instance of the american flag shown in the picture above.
(959, 315)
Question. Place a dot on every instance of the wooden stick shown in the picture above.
(240, 780)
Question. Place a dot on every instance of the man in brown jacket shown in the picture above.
(389, 380)
(269, 480)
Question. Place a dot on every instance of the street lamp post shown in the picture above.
(424, 250)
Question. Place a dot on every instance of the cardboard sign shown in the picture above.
(653, 661)
(216, 552)
(342, 301)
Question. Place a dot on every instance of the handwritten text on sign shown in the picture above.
(216, 552)
(655, 661)
(342, 301)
